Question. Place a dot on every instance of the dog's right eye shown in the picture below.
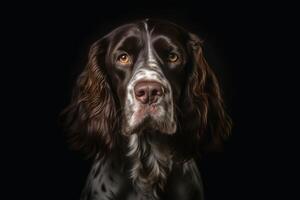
(124, 59)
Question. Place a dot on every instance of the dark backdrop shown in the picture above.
(48, 48)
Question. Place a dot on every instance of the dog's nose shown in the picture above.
(148, 92)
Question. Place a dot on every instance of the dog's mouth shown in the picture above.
(149, 118)
(154, 111)
(147, 123)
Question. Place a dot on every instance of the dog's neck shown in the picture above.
(151, 158)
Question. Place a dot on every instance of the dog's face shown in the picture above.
(146, 64)
(148, 76)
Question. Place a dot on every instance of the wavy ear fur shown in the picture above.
(204, 102)
(91, 116)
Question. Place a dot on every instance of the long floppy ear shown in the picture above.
(91, 117)
(208, 118)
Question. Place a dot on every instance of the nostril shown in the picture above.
(154, 92)
(140, 93)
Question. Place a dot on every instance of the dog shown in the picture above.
(144, 108)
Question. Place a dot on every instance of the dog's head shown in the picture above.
(147, 76)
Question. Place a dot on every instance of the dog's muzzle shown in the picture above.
(149, 103)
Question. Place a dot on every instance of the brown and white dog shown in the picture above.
(145, 105)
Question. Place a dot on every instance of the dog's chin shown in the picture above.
(145, 125)
(150, 124)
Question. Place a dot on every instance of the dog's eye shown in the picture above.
(124, 58)
(173, 57)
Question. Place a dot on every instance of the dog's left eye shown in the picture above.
(173, 57)
(124, 58)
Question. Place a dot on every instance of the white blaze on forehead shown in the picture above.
(149, 49)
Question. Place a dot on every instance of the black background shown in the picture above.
(48, 46)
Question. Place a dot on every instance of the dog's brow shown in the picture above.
(127, 35)
(163, 38)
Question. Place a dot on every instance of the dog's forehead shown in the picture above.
(166, 28)
(123, 32)
(151, 27)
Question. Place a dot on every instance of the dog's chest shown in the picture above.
(109, 180)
